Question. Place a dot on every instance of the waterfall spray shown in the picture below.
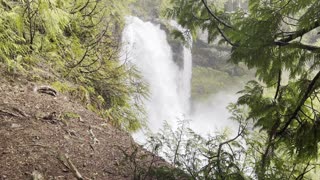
(170, 86)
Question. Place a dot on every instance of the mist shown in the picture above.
(211, 116)
(170, 85)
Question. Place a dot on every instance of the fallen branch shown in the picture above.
(36, 145)
(12, 111)
(73, 168)
(7, 113)
(47, 90)
(66, 161)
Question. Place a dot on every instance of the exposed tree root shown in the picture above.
(47, 90)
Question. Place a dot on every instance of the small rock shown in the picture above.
(66, 137)
(35, 138)
(51, 116)
(36, 175)
(72, 133)
(15, 125)
(80, 119)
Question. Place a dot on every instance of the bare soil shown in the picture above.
(47, 137)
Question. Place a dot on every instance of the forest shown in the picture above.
(137, 65)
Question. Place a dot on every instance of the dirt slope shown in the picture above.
(47, 137)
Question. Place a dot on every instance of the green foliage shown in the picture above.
(67, 116)
(200, 157)
(220, 157)
(70, 115)
(10, 39)
(278, 40)
(150, 9)
(78, 44)
(207, 81)
(168, 173)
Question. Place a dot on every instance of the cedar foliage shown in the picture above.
(222, 156)
(280, 40)
(77, 44)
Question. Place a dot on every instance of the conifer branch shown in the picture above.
(81, 60)
(225, 37)
(305, 171)
(301, 103)
(278, 85)
(282, 42)
(214, 16)
(299, 45)
(92, 10)
(240, 133)
(298, 33)
(284, 6)
(279, 77)
(81, 8)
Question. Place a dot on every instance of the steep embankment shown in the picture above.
(47, 137)
(75, 47)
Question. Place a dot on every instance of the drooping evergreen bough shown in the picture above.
(280, 40)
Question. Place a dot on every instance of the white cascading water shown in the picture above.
(147, 47)
(186, 72)
(186, 79)
(170, 86)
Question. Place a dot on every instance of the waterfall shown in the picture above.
(186, 76)
(146, 45)
(170, 86)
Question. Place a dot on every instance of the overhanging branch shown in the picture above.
(299, 33)
(298, 45)
(306, 95)
(214, 16)
(282, 42)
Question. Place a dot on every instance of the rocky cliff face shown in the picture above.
(176, 46)
(203, 54)
(215, 57)
(207, 58)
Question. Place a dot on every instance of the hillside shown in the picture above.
(47, 137)
(68, 97)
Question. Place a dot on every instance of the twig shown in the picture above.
(66, 161)
(4, 112)
(214, 16)
(95, 140)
